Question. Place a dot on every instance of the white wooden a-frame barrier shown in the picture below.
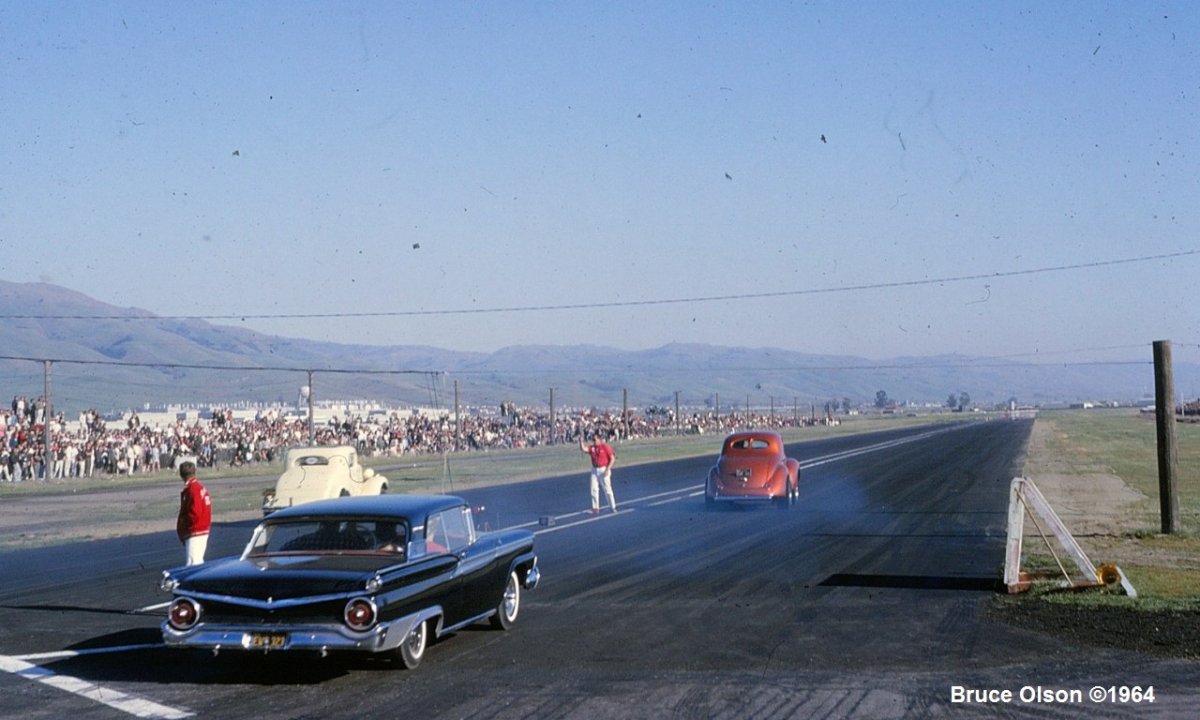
(1024, 497)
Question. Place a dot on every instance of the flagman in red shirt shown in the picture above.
(195, 514)
(602, 456)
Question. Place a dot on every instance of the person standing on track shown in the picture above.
(602, 456)
(195, 514)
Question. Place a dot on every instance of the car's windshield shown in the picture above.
(332, 535)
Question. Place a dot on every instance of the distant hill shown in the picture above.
(131, 358)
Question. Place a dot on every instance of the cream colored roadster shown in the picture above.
(321, 473)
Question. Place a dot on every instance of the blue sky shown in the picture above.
(412, 160)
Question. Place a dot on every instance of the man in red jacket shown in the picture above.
(195, 514)
(602, 456)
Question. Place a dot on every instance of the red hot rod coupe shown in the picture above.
(753, 467)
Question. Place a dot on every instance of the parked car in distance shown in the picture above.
(753, 467)
(320, 473)
(370, 574)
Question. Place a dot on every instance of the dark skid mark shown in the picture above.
(914, 582)
(133, 636)
(67, 608)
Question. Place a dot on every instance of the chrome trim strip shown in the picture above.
(464, 623)
(269, 604)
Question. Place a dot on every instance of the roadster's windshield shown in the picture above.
(331, 535)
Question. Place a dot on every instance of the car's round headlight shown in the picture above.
(360, 614)
(183, 614)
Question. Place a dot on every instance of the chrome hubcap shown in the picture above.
(512, 598)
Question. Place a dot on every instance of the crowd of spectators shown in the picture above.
(90, 445)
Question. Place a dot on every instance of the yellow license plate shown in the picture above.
(266, 641)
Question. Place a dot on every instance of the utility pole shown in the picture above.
(457, 420)
(312, 430)
(553, 423)
(677, 412)
(1168, 455)
(625, 410)
(48, 409)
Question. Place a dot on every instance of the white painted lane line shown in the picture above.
(67, 654)
(130, 704)
(586, 516)
(685, 494)
(591, 519)
(867, 449)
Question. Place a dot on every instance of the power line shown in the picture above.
(240, 368)
(626, 303)
(820, 368)
(637, 371)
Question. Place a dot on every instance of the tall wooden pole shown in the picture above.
(457, 420)
(1164, 414)
(553, 422)
(47, 410)
(677, 431)
(312, 428)
(625, 410)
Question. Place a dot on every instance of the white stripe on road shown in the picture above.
(68, 654)
(874, 448)
(590, 519)
(131, 704)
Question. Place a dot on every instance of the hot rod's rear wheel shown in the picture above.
(784, 502)
(510, 604)
(413, 647)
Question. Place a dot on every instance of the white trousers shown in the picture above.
(602, 475)
(195, 547)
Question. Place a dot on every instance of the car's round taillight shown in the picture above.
(360, 614)
(183, 614)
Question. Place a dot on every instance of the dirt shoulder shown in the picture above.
(1108, 519)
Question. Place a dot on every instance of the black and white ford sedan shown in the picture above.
(372, 574)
